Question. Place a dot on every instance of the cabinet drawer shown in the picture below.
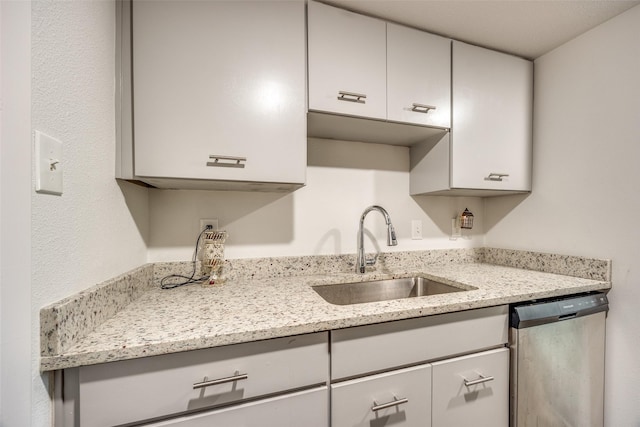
(133, 390)
(406, 342)
(307, 408)
(486, 403)
(406, 391)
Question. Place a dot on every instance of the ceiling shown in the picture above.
(527, 28)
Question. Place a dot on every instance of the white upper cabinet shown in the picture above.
(492, 120)
(365, 68)
(488, 151)
(347, 62)
(219, 93)
(418, 77)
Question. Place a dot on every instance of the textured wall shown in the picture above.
(343, 178)
(585, 190)
(96, 229)
(15, 221)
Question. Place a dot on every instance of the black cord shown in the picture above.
(186, 279)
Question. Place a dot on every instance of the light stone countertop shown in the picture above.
(194, 317)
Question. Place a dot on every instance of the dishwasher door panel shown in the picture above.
(558, 373)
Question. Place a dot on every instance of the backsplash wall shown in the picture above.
(343, 178)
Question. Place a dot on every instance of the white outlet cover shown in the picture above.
(416, 229)
(210, 221)
(48, 154)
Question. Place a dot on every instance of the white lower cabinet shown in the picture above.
(412, 372)
(472, 389)
(307, 408)
(396, 398)
(443, 371)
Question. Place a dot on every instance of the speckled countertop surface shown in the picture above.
(193, 317)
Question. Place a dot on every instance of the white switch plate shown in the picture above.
(48, 164)
(416, 229)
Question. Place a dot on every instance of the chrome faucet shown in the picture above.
(391, 238)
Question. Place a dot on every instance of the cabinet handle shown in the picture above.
(226, 161)
(205, 383)
(394, 402)
(495, 176)
(480, 380)
(351, 97)
(422, 108)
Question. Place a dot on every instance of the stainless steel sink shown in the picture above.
(382, 290)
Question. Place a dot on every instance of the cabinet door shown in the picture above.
(306, 408)
(221, 78)
(397, 398)
(492, 120)
(347, 54)
(472, 390)
(418, 77)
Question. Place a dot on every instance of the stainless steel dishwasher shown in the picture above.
(557, 362)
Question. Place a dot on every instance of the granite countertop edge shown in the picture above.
(245, 311)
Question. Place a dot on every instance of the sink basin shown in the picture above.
(382, 290)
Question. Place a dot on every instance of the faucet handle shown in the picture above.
(372, 261)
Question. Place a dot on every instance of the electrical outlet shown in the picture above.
(212, 222)
(416, 229)
(455, 229)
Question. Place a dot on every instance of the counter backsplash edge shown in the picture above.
(65, 322)
(566, 265)
(274, 267)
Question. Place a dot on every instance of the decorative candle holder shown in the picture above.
(213, 258)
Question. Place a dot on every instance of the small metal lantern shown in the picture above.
(466, 220)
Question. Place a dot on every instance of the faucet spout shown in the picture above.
(391, 237)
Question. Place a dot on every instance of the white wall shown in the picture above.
(97, 228)
(343, 178)
(586, 198)
(15, 222)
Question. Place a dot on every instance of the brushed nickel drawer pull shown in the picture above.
(226, 161)
(231, 379)
(496, 176)
(422, 108)
(394, 402)
(351, 97)
(480, 380)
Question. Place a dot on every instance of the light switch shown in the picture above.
(48, 164)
